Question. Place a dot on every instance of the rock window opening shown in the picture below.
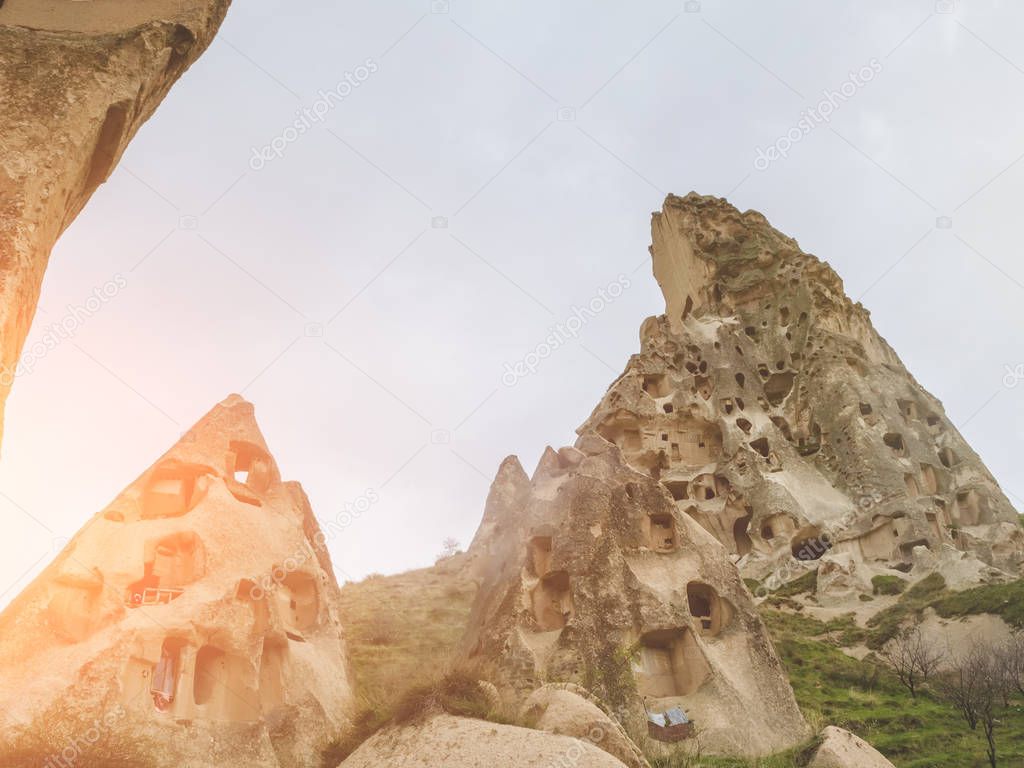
(667, 408)
(678, 488)
(670, 664)
(866, 409)
(778, 386)
(895, 441)
(728, 406)
(810, 544)
(298, 604)
(913, 490)
(741, 380)
(251, 466)
(745, 425)
(761, 446)
(272, 684)
(552, 601)
(656, 385)
(908, 408)
(540, 555)
(170, 490)
(948, 458)
(170, 563)
(163, 685)
(662, 532)
(224, 686)
(741, 535)
(707, 608)
(930, 480)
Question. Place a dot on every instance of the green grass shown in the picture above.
(806, 583)
(402, 629)
(1006, 600)
(887, 585)
(865, 698)
(886, 623)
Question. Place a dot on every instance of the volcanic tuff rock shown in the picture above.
(597, 578)
(77, 80)
(774, 415)
(841, 749)
(199, 610)
(455, 742)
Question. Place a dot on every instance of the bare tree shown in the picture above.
(449, 547)
(913, 658)
(1012, 655)
(977, 686)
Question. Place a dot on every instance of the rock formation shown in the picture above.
(598, 579)
(455, 742)
(774, 415)
(841, 749)
(78, 79)
(198, 610)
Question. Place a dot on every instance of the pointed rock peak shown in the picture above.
(703, 249)
(202, 594)
(549, 464)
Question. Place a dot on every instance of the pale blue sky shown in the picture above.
(231, 271)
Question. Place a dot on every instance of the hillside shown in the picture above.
(402, 631)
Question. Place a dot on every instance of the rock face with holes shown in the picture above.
(771, 412)
(199, 611)
(599, 579)
(78, 79)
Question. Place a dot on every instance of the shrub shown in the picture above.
(888, 585)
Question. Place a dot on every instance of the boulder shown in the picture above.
(841, 749)
(455, 742)
(569, 710)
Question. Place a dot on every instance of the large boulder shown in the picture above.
(455, 742)
(569, 710)
(196, 615)
(841, 749)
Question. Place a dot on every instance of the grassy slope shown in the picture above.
(402, 629)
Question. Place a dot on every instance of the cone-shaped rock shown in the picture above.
(770, 409)
(197, 613)
(602, 581)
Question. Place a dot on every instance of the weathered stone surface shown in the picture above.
(600, 580)
(781, 422)
(460, 743)
(77, 80)
(841, 749)
(569, 710)
(207, 568)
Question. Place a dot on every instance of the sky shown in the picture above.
(359, 214)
